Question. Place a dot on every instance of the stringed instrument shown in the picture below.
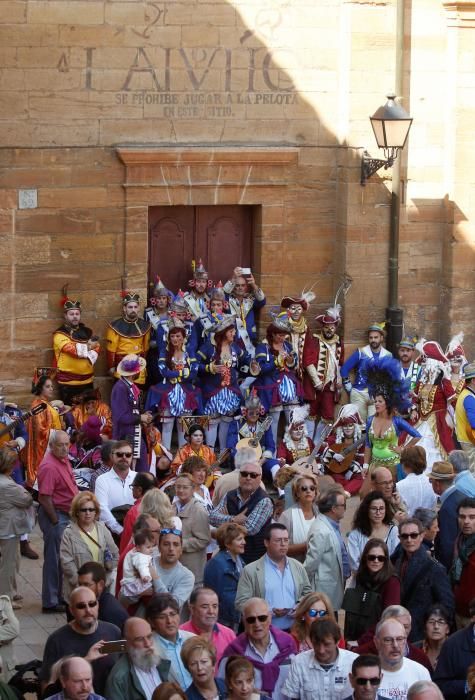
(255, 440)
(305, 463)
(7, 430)
(348, 454)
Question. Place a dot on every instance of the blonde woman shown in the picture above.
(312, 607)
(157, 504)
(300, 516)
(85, 539)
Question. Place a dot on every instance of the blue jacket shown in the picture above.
(456, 655)
(192, 693)
(222, 576)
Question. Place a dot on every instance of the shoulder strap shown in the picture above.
(90, 537)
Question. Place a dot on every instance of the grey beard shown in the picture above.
(143, 660)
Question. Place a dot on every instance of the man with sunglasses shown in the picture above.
(365, 678)
(280, 580)
(269, 649)
(113, 489)
(399, 673)
(424, 582)
(248, 505)
(83, 636)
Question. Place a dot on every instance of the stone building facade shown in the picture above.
(111, 107)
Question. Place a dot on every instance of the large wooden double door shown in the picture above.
(220, 235)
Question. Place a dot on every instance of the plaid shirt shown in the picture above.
(255, 521)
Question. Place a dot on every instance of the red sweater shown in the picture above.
(464, 591)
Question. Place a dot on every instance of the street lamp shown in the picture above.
(391, 124)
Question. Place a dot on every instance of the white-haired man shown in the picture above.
(424, 690)
(248, 505)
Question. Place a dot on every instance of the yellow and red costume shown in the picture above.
(39, 428)
(127, 338)
(101, 410)
(73, 358)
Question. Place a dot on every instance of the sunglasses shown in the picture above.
(87, 510)
(316, 613)
(375, 557)
(307, 488)
(83, 606)
(252, 619)
(123, 454)
(251, 475)
(409, 535)
(364, 681)
(171, 531)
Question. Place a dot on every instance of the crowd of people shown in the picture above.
(192, 525)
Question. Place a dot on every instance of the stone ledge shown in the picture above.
(149, 155)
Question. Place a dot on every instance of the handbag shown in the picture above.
(362, 610)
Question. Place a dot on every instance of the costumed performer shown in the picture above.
(221, 358)
(358, 361)
(456, 357)
(157, 314)
(277, 385)
(40, 426)
(330, 356)
(196, 448)
(176, 395)
(390, 393)
(410, 368)
(90, 404)
(179, 310)
(303, 344)
(245, 297)
(76, 350)
(432, 397)
(343, 451)
(197, 299)
(253, 429)
(465, 415)
(217, 306)
(127, 421)
(128, 335)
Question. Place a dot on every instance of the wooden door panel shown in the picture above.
(223, 239)
(171, 245)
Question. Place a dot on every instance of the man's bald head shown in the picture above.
(424, 690)
(382, 480)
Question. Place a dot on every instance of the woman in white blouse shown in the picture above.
(299, 517)
(415, 490)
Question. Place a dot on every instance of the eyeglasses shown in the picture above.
(316, 613)
(375, 557)
(409, 535)
(123, 454)
(252, 619)
(170, 531)
(432, 621)
(394, 640)
(251, 475)
(83, 606)
(307, 488)
(378, 509)
(87, 510)
(376, 680)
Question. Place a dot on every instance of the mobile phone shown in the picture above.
(246, 271)
(118, 646)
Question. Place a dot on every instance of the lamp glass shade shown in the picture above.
(391, 124)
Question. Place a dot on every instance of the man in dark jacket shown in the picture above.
(442, 478)
(457, 653)
(424, 581)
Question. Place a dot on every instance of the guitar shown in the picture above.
(305, 463)
(7, 431)
(254, 441)
(347, 453)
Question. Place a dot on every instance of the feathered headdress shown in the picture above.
(305, 299)
(455, 347)
(383, 377)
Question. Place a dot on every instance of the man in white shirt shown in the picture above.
(399, 672)
(113, 488)
(323, 671)
(137, 673)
